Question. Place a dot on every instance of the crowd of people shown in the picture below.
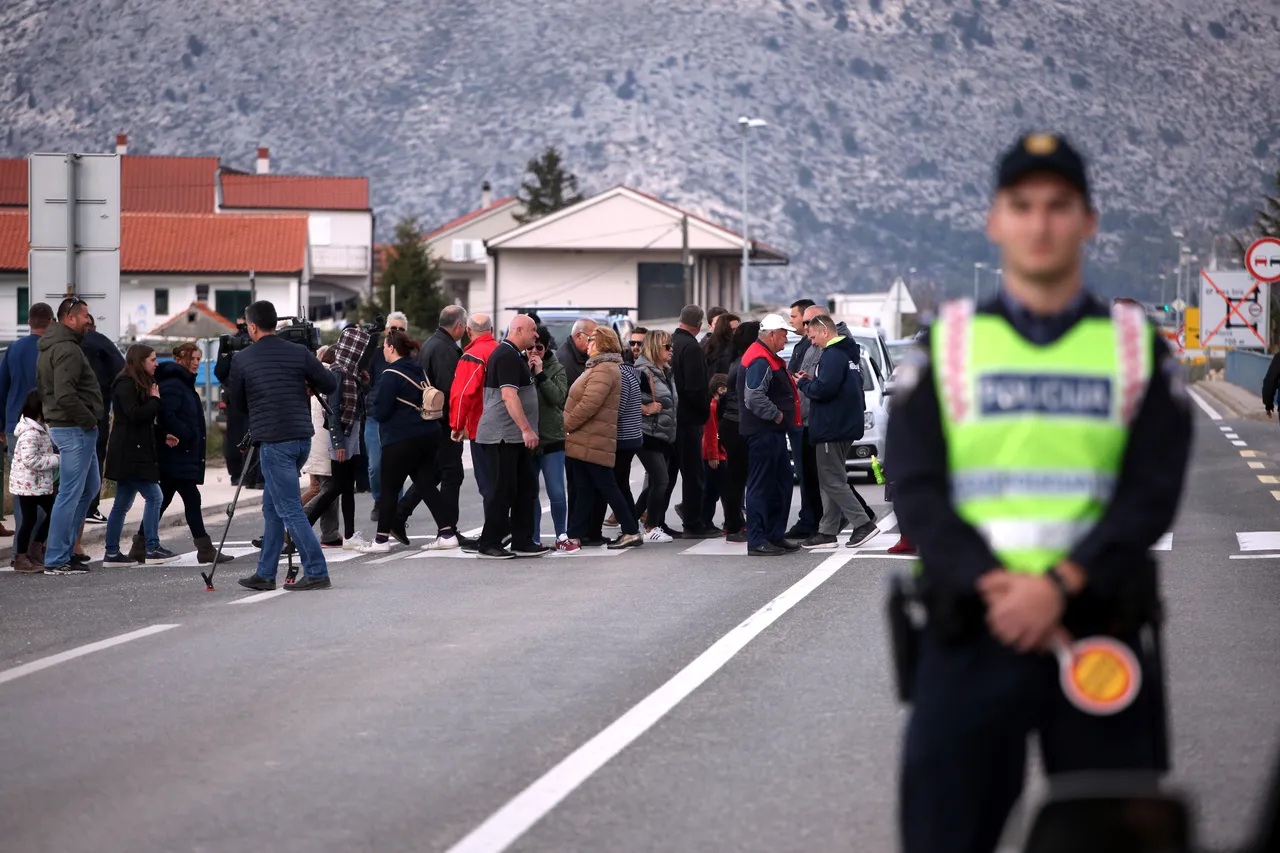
(720, 415)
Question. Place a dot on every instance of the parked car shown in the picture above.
(559, 319)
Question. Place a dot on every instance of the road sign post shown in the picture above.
(74, 232)
(1262, 260)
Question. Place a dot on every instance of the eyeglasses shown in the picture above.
(637, 343)
(539, 348)
(668, 347)
(397, 329)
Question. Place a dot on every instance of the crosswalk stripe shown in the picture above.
(1259, 540)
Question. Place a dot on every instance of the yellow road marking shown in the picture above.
(1251, 453)
(1275, 494)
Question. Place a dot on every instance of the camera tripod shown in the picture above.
(246, 444)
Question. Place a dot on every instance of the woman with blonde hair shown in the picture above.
(591, 440)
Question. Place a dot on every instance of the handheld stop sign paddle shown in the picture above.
(1099, 675)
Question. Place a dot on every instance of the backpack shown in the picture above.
(432, 408)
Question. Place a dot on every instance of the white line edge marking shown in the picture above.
(1254, 557)
(514, 819)
(80, 651)
(261, 596)
(1240, 443)
(1199, 401)
(1225, 428)
(1230, 435)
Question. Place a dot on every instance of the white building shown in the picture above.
(620, 249)
(880, 310)
(459, 247)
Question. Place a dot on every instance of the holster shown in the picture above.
(906, 625)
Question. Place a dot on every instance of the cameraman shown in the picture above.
(237, 422)
(268, 383)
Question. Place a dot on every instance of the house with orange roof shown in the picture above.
(459, 247)
(621, 248)
(196, 231)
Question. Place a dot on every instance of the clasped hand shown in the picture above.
(1023, 611)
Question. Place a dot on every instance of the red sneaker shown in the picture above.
(568, 546)
(903, 546)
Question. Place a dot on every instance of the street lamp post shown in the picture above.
(746, 124)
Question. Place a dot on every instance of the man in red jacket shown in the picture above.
(466, 396)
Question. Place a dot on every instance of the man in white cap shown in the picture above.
(769, 407)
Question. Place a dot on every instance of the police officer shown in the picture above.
(1039, 444)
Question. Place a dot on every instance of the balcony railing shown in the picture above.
(352, 260)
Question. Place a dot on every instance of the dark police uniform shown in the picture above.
(976, 700)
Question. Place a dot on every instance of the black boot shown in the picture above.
(138, 550)
(205, 552)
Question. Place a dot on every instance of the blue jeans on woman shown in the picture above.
(552, 466)
(126, 491)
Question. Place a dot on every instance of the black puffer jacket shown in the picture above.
(269, 381)
(131, 449)
(182, 416)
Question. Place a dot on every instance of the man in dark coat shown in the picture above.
(693, 408)
(237, 422)
(107, 362)
(439, 360)
(573, 352)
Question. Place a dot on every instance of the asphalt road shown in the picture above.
(668, 698)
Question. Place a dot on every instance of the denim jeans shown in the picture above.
(11, 443)
(126, 490)
(78, 482)
(373, 450)
(282, 462)
(552, 467)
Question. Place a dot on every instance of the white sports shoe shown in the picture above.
(354, 543)
(442, 543)
(659, 535)
(375, 547)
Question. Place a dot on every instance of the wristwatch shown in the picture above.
(1060, 582)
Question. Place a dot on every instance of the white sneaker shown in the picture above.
(375, 547)
(659, 535)
(354, 543)
(442, 543)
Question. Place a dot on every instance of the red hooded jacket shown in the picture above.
(466, 397)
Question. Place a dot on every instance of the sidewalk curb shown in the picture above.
(1229, 401)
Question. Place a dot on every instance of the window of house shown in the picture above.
(24, 305)
(202, 293)
(231, 303)
(162, 301)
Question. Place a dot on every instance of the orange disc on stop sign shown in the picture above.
(1099, 675)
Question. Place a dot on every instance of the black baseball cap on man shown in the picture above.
(1043, 152)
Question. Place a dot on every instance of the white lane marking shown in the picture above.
(1256, 465)
(1230, 435)
(861, 556)
(261, 596)
(81, 651)
(1164, 543)
(459, 554)
(188, 559)
(515, 818)
(1226, 428)
(887, 523)
(1199, 401)
(1240, 443)
(1254, 557)
(1259, 540)
(1270, 479)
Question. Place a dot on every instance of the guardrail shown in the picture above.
(1247, 369)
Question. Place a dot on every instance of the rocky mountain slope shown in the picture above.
(885, 115)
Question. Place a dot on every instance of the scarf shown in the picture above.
(346, 363)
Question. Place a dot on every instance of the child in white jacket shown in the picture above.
(35, 460)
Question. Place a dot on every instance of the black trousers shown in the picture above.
(656, 459)
(450, 476)
(514, 485)
(964, 759)
(31, 504)
(596, 487)
(341, 485)
(686, 460)
(810, 492)
(413, 460)
(189, 491)
(735, 485)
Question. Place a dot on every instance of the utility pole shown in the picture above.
(71, 223)
(684, 259)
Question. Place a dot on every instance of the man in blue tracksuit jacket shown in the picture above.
(17, 378)
(835, 423)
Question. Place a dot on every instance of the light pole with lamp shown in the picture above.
(746, 124)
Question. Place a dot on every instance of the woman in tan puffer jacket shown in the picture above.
(591, 440)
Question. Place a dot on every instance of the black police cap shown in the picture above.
(1043, 152)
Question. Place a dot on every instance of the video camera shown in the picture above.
(299, 331)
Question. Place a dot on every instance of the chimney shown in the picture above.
(486, 195)
(264, 161)
(122, 143)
